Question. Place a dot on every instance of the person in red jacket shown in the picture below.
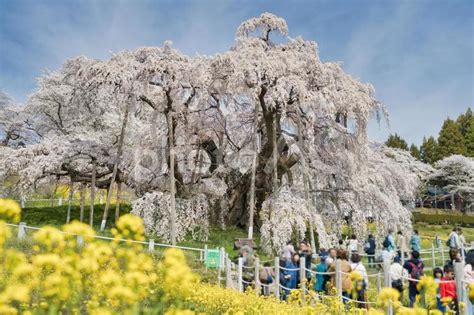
(447, 288)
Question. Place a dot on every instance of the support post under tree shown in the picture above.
(82, 192)
(91, 213)
(69, 201)
(116, 163)
(117, 203)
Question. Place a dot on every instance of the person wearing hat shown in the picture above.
(397, 273)
(287, 251)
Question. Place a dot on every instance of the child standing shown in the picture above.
(266, 278)
(438, 275)
(447, 288)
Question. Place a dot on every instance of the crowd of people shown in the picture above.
(402, 255)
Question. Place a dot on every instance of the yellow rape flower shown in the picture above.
(5, 233)
(129, 226)
(16, 293)
(78, 228)
(10, 210)
(471, 292)
(50, 238)
(388, 296)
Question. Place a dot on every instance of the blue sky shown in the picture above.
(419, 55)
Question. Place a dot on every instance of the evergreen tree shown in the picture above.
(395, 141)
(469, 140)
(428, 150)
(415, 152)
(450, 140)
(466, 125)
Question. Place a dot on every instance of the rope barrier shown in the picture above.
(318, 272)
(27, 227)
(418, 280)
(289, 269)
(285, 288)
(356, 301)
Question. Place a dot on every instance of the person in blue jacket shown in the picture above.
(415, 241)
(321, 279)
(290, 275)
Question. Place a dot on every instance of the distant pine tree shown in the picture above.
(428, 150)
(469, 140)
(395, 141)
(450, 140)
(414, 151)
(466, 126)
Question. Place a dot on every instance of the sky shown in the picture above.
(418, 54)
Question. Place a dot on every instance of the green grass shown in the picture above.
(56, 216)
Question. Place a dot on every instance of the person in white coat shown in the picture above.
(359, 287)
(353, 244)
(402, 244)
(397, 273)
(454, 242)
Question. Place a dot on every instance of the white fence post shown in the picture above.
(433, 259)
(22, 201)
(387, 281)
(442, 252)
(228, 272)
(379, 282)
(21, 230)
(277, 277)
(257, 276)
(386, 273)
(459, 277)
(303, 277)
(239, 274)
(151, 245)
(60, 201)
(80, 241)
(222, 255)
(338, 278)
(205, 252)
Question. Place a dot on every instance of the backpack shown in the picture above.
(398, 285)
(416, 270)
(367, 246)
(265, 276)
(386, 242)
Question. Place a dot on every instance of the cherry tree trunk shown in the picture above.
(172, 180)
(306, 181)
(254, 169)
(275, 154)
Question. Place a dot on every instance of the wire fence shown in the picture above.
(150, 245)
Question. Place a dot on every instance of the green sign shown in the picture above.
(213, 258)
